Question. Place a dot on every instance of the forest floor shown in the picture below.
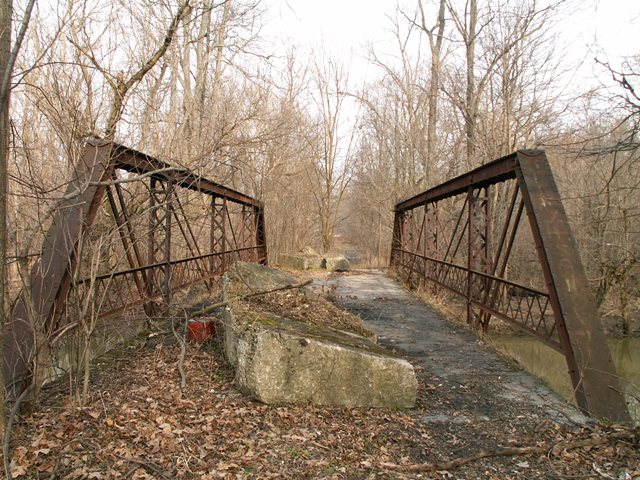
(468, 422)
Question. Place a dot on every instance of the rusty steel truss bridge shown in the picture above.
(176, 229)
(459, 237)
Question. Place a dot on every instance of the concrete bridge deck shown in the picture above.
(467, 380)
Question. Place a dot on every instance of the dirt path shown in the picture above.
(469, 381)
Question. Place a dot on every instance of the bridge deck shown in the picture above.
(469, 383)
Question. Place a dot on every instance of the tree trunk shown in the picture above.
(121, 88)
(434, 86)
(221, 34)
(471, 101)
(6, 8)
(203, 54)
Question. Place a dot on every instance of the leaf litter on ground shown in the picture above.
(139, 424)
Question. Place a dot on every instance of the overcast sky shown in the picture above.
(346, 27)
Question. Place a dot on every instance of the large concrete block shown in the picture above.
(300, 261)
(279, 360)
(336, 263)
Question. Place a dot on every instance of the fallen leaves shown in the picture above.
(296, 306)
(138, 425)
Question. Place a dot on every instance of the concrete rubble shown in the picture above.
(336, 263)
(309, 259)
(300, 261)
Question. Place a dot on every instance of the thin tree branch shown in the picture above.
(6, 444)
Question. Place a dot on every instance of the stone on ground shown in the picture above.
(337, 263)
(280, 360)
(309, 259)
(310, 251)
(300, 261)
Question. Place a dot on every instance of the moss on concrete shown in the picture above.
(283, 324)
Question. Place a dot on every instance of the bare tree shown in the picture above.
(330, 170)
(5, 52)
(120, 86)
(435, 35)
(466, 24)
(627, 99)
(499, 42)
(603, 193)
(8, 56)
(406, 103)
(282, 160)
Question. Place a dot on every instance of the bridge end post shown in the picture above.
(40, 302)
(596, 385)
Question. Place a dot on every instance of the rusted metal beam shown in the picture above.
(563, 316)
(261, 235)
(185, 272)
(489, 174)
(128, 243)
(583, 340)
(137, 162)
(218, 231)
(50, 277)
(159, 237)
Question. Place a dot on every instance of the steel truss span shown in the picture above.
(460, 237)
(130, 231)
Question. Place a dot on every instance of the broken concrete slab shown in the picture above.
(336, 263)
(300, 261)
(279, 360)
(309, 259)
(252, 277)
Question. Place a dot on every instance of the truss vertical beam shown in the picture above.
(397, 240)
(410, 235)
(249, 233)
(261, 235)
(159, 238)
(478, 254)
(430, 232)
(218, 234)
